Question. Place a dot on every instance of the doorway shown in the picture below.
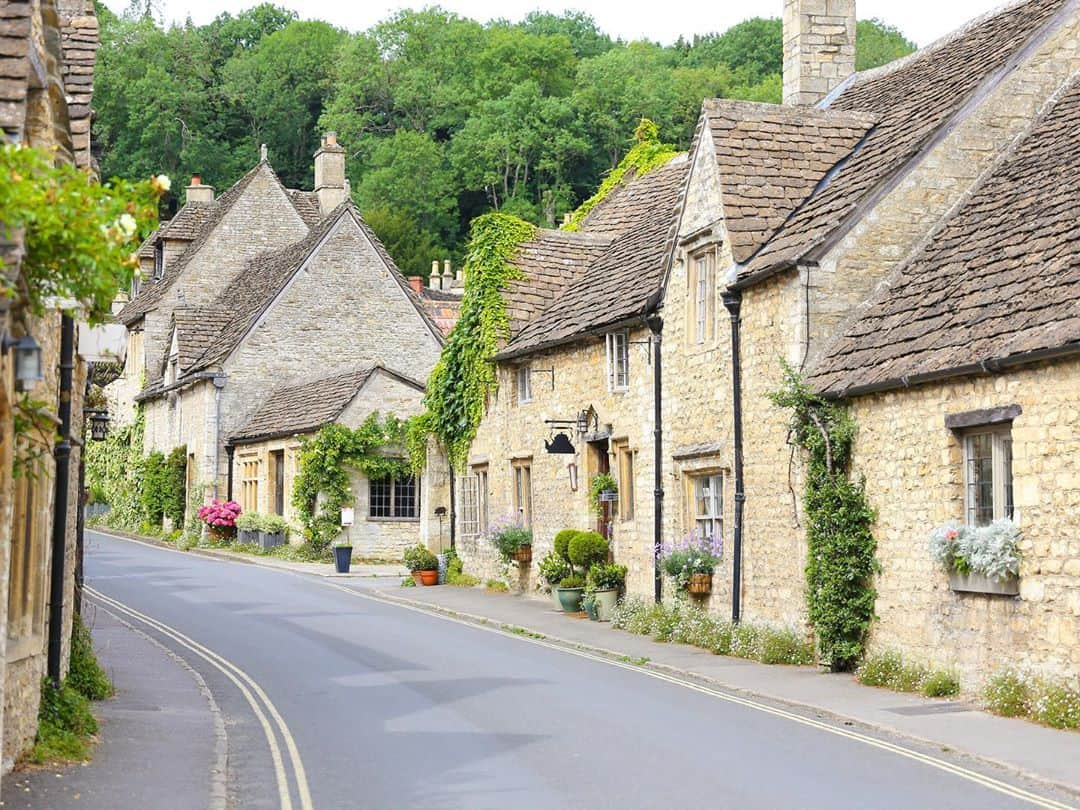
(600, 464)
(277, 465)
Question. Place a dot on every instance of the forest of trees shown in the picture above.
(443, 117)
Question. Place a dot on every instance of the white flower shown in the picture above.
(127, 224)
(162, 183)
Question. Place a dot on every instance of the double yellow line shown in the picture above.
(261, 705)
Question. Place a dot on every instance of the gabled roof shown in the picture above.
(770, 159)
(998, 284)
(306, 204)
(196, 328)
(306, 406)
(624, 277)
(913, 100)
(198, 220)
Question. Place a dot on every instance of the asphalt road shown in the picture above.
(377, 706)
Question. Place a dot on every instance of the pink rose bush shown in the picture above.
(220, 516)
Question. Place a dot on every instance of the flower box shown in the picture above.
(700, 584)
(980, 583)
(523, 554)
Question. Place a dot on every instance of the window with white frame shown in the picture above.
(159, 260)
(474, 509)
(702, 296)
(524, 384)
(707, 504)
(522, 471)
(618, 361)
(988, 484)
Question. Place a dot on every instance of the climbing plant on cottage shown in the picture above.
(322, 487)
(840, 563)
(459, 385)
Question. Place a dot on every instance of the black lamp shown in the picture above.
(99, 425)
(560, 444)
(27, 360)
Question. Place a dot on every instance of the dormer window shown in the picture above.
(159, 260)
(618, 361)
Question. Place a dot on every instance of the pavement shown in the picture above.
(161, 738)
(355, 693)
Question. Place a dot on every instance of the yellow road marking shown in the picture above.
(242, 681)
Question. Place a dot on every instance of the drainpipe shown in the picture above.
(733, 302)
(230, 449)
(62, 454)
(656, 325)
(453, 508)
(219, 383)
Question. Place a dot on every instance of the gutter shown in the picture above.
(733, 303)
(230, 448)
(185, 382)
(62, 454)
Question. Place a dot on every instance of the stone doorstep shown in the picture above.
(919, 706)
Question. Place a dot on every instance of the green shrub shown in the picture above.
(561, 544)
(273, 524)
(408, 582)
(572, 581)
(605, 576)
(785, 646)
(888, 669)
(1056, 704)
(587, 548)
(455, 574)
(305, 552)
(249, 521)
(65, 725)
(496, 585)
(553, 568)
(879, 669)
(418, 558)
(941, 683)
(152, 491)
(509, 539)
(85, 675)
(174, 481)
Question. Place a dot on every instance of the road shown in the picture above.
(371, 705)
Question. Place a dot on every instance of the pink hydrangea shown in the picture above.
(220, 514)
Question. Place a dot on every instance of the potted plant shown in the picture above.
(247, 528)
(423, 564)
(588, 601)
(602, 488)
(570, 590)
(273, 530)
(220, 519)
(979, 560)
(342, 556)
(587, 549)
(690, 562)
(514, 544)
(553, 569)
(607, 580)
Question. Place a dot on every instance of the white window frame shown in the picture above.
(618, 360)
(703, 294)
(473, 487)
(524, 384)
(1002, 503)
(521, 470)
(708, 521)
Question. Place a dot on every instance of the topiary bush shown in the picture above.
(586, 549)
(562, 542)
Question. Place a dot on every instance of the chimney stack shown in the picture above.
(435, 281)
(819, 48)
(198, 193)
(417, 284)
(329, 174)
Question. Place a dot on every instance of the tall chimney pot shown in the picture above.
(435, 282)
(330, 174)
(198, 193)
(417, 284)
(819, 48)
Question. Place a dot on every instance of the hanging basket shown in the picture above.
(700, 584)
(523, 554)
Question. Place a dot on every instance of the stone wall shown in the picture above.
(516, 431)
(913, 468)
(819, 48)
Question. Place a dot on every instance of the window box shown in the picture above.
(980, 583)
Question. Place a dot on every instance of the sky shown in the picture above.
(921, 20)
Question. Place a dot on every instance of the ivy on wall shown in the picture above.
(175, 495)
(322, 487)
(114, 469)
(647, 154)
(459, 385)
(840, 563)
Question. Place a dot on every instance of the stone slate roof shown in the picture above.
(196, 329)
(146, 249)
(1000, 280)
(15, 67)
(913, 99)
(771, 158)
(623, 281)
(306, 205)
(442, 307)
(188, 222)
(306, 406)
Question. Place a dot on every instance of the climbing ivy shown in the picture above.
(174, 496)
(459, 385)
(322, 486)
(114, 469)
(840, 562)
(647, 154)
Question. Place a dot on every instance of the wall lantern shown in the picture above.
(99, 424)
(587, 421)
(27, 360)
(560, 443)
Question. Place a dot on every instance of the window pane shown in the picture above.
(980, 479)
(405, 497)
(1006, 463)
(379, 502)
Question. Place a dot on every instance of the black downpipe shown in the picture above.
(229, 450)
(656, 325)
(733, 303)
(453, 510)
(62, 454)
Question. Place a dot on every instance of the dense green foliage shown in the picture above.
(509, 539)
(561, 543)
(683, 623)
(840, 562)
(444, 118)
(114, 470)
(175, 480)
(459, 385)
(587, 549)
(325, 461)
(1011, 693)
(154, 483)
(85, 674)
(604, 482)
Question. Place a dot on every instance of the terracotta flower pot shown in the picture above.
(417, 578)
(700, 584)
(523, 554)
(429, 577)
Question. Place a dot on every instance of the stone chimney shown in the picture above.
(198, 193)
(417, 284)
(330, 174)
(447, 275)
(435, 280)
(819, 48)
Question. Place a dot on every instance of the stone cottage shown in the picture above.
(804, 223)
(260, 288)
(580, 361)
(46, 82)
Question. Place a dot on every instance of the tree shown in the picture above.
(878, 44)
(585, 38)
(411, 246)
